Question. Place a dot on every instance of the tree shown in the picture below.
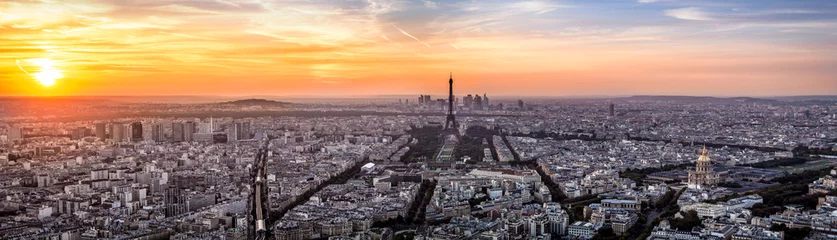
(604, 233)
(730, 185)
(791, 233)
(689, 221)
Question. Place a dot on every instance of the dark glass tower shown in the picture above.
(136, 131)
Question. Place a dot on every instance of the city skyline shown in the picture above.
(418, 119)
(361, 48)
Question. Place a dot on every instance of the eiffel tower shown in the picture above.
(450, 123)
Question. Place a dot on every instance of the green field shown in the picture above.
(806, 166)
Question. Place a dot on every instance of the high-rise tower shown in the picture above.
(177, 130)
(136, 132)
(450, 123)
(100, 131)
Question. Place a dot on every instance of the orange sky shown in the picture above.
(227, 47)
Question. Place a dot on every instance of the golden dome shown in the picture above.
(703, 157)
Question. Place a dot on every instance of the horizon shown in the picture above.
(503, 48)
(410, 96)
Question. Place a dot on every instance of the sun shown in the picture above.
(48, 74)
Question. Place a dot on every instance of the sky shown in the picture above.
(383, 47)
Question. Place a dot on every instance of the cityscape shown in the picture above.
(426, 120)
(461, 167)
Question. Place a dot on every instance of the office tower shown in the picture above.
(421, 100)
(246, 131)
(520, 104)
(189, 131)
(110, 131)
(234, 132)
(486, 105)
(477, 102)
(238, 131)
(610, 109)
(117, 132)
(100, 131)
(158, 132)
(126, 133)
(427, 100)
(211, 124)
(204, 128)
(177, 132)
(175, 202)
(136, 132)
(468, 101)
(15, 133)
(80, 132)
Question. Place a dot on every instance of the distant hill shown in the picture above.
(696, 98)
(827, 98)
(668, 98)
(257, 102)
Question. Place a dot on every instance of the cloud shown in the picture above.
(383, 6)
(228, 3)
(18, 66)
(431, 4)
(646, 1)
(538, 7)
(411, 36)
(689, 13)
(454, 46)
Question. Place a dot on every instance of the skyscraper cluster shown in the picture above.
(475, 102)
(469, 102)
(239, 131)
(188, 131)
(424, 100)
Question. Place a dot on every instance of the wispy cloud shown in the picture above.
(431, 4)
(689, 13)
(411, 36)
(246, 39)
(383, 6)
(20, 67)
(228, 3)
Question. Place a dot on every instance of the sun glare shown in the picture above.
(48, 74)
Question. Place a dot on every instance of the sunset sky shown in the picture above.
(369, 47)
